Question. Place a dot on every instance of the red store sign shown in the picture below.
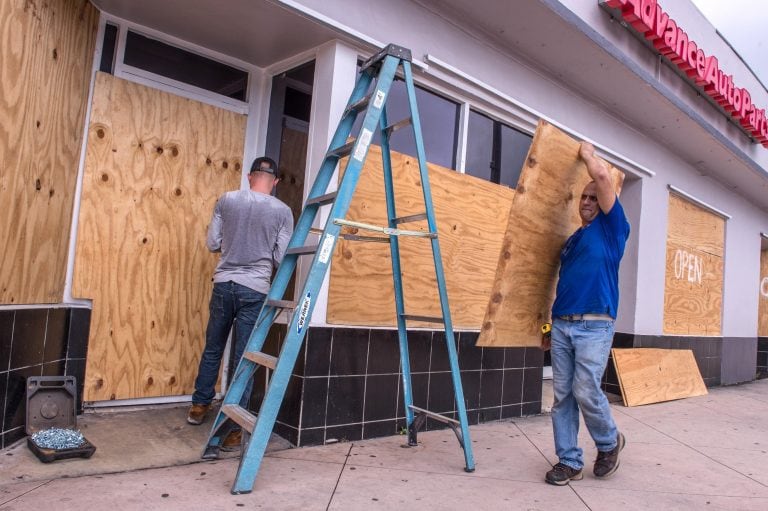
(649, 19)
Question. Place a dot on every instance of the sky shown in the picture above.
(744, 24)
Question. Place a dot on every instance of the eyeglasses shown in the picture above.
(592, 198)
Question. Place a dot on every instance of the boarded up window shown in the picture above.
(155, 165)
(762, 328)
(471, 219)
(693, 291)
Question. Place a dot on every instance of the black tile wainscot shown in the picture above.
(347, 383)
(762, 357)
(38, 342)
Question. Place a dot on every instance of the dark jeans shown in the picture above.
(230, 303)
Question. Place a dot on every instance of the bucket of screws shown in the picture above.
(51, 419)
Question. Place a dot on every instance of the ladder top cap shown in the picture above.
(390, 49)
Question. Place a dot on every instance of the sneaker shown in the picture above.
(233, 441)
(561, 475)
(196, 414)
(607, 462)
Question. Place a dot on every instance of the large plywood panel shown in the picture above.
(762, 327)
(155, 165)
(471, 217)
(651, 375)
(46, 52)
(544, 214)
(694, 270)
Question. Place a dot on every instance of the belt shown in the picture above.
(587, 317)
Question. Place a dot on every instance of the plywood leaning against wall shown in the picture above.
(155, 165)
(693, 290)
(471, 217)
(651, 375)
(544, 214)
(762, 326)
(46, 53)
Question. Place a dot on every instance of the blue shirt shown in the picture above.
(589, 266)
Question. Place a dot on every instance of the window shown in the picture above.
(439, 124)
(107, 63)
(165, 60)
(495, 151)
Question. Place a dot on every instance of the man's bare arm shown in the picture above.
(606, 194)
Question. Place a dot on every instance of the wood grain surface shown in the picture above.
(155, 166)
(471, 217)
(693, 286)
(652, 375)
(544, 214)
(46, 53)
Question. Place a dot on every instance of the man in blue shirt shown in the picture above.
(583, 318)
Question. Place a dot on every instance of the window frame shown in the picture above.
(122, 70)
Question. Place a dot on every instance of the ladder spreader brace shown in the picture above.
(379, 71)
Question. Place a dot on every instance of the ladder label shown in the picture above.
(379, 99)
(363, 141)
(327, 248)
(303, 311)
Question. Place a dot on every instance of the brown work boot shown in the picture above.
(233, 441)
(607, 462)
(562, 474)
(196, 414)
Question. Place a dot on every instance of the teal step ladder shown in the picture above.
(379, 70)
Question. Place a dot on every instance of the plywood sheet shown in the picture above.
(651, 375)
(46, 52)
(762, 326)
(471, 217)
(694, 270)
(544, 214)
(155, 165)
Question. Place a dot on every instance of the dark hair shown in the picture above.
(257, 166)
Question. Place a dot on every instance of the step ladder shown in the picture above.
(379, 70)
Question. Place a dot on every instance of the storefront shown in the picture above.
(170, 102)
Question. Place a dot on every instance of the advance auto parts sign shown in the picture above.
(649, 19)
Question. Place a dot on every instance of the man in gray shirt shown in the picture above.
(251, 229)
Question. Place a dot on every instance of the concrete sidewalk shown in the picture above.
(707, 452)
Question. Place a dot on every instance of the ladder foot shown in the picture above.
(211, 452)
(470, 470)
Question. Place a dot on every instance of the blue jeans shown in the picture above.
(230, 303)
(579, 355)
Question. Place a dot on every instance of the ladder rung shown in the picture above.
(436, 416)
(375, 239)
(411, 218)
(306, 249)
(398, 125)
(425, 319)
(281, 304)
(386, 230)
(342, 151)
(322, 200)
(240, 415)
(261, 358)
(359, 105)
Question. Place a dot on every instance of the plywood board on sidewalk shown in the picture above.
(544, 214)
(693, 290)
(471, 217)
(653, 375)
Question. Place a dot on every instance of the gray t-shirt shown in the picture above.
(251, 230)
